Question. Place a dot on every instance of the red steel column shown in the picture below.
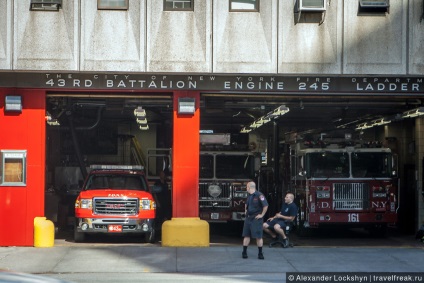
(185, 159)
(23, 131)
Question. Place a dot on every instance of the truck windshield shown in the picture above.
(234, 166)
(206, 166)
(116, 181)
(227, 166)
(327, 164)
(370, 164)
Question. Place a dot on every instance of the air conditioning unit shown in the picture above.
(370, 7)
(45, 5)
(312, 5)
(374, 4)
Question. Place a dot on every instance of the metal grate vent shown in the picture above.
(351, 196)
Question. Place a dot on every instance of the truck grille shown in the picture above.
(222, 200)
(116, 206)
(351, 196)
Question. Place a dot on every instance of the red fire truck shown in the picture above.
(225, 169)
(115, 199)
(344, 182)
(222, 184)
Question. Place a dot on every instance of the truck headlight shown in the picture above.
(145, 204)
(214, 191)
(84, 203)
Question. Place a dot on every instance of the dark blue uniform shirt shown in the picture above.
(289, 209)
(255, 203)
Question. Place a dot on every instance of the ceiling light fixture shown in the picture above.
(381, 121)
(50, 120)
(140, 118)
(277, 112)
(413, 113)
(139, 112)
(363, 126)
(373, 123)
(245, 130)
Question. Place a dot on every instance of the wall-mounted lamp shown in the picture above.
(45, 5)
(144, 127)
(413, 113)
(277, 112)
(13, 103)
(186, 105)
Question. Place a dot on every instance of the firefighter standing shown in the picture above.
(255, 209)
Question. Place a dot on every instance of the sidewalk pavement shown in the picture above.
(90, 262)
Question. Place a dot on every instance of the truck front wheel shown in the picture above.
(149, 237)
(78, 236)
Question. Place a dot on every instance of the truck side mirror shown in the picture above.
(302, 173)
(257, 163)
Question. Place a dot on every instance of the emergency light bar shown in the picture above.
(116, 167)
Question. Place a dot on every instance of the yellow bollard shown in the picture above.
(43, 233)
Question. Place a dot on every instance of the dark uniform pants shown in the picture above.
(253, 227)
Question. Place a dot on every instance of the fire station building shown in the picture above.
(72, 73)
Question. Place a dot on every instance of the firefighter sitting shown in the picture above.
(277, 225)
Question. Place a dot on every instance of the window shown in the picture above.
(244, 5)
(45, 5)
(13, 168)
(112, 4)
(178, 5)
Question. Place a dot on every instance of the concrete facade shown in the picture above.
(211, 39)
